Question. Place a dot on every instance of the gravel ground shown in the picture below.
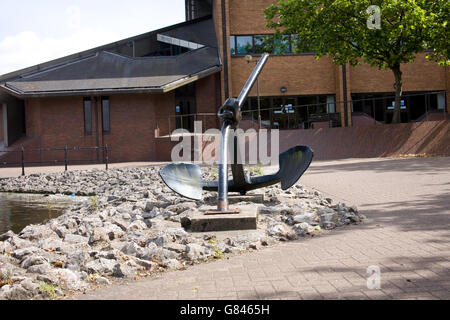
(130, 228)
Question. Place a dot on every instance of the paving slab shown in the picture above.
(406, 236)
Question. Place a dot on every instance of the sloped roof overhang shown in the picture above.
(9, 88)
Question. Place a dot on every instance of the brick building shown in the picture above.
(131, 94)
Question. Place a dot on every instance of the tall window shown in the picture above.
(105, 115)
(87, 116)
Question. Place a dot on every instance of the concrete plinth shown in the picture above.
(254, 198)
(247, 219)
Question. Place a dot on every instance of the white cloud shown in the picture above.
(73, 17)
(27, 48)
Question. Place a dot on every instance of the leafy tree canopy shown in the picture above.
(339, 28)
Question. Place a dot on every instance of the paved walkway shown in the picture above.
(407, 235)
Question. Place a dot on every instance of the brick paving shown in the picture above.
(406, 235)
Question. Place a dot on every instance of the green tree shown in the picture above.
(350, 32)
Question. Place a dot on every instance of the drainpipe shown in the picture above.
(225, 50)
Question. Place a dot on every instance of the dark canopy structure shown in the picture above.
(156, 62)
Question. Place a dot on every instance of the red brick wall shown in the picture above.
(421, 75)
(208, 100)
(1, 122)
(133, 124)
(57, 122)
(303, 75)
(430, 138)
(299, 74)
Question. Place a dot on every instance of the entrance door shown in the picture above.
(13, 115)
(185, 107)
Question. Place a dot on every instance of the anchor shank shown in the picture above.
(222, 204)
(252, 79)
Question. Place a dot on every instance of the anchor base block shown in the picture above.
(201, 221)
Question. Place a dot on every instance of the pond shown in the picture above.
(19, 210)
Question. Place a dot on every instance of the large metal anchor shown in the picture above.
(186, 178)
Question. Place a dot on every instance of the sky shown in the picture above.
(36, 31)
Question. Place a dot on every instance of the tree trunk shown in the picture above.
(396, 118)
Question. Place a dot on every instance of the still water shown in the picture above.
(19, 210)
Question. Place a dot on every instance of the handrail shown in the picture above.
(66, 159)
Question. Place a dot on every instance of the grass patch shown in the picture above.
(49, 289)
(94, 203)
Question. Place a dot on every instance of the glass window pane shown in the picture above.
(245, 110)
(322, 107)
(265, 112)
(244, 44)
(331, 104)
(433, 101)
(105, 115)
(87, 116)
(278, 118)
(282, 45)
(441, 100)
(308, 103)
(232, 45)
(263, 43)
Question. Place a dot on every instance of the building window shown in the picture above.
(282, 45)
(261, 43)
(331, 104)
(87, 116)
(233, 45)
(291, 112)
(441, 101)
(414, 105)
(105, 115)
(244, 44)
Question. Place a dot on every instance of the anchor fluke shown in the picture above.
(293, 163)
(183, 178)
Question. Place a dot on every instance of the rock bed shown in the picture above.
(131, 228)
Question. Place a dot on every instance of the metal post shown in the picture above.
(65, 158)
(253, 77)
(106, 156)
(307, 115)
(259, 103)
(170, 133)
(222, 203)
(373, 111)
(23, 161)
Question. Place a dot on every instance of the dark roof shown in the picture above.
(201, 32)
(102, 71)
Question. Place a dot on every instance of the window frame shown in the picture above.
(233, 39)
(103, 115)
(87, 116)
(236, 44)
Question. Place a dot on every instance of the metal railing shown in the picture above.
(374, 112)
(65, 159)
(303, 116)
(294, 120)
(192, 117)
